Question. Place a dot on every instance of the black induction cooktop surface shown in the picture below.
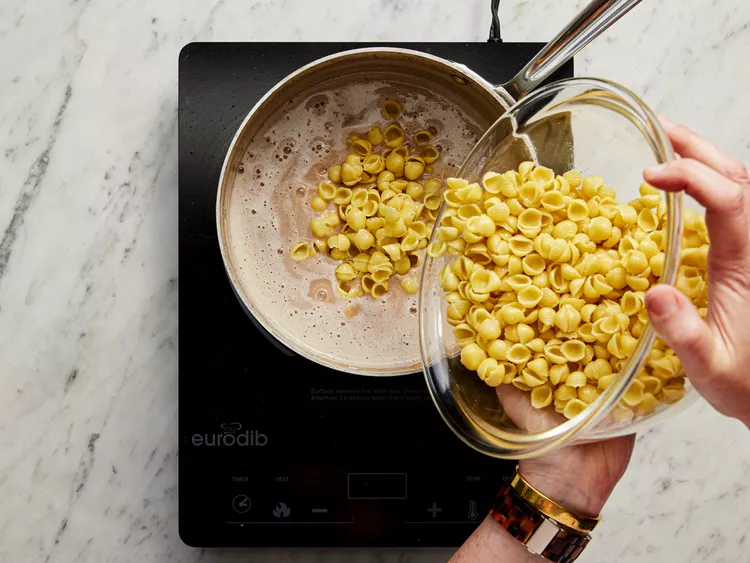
(276, 450)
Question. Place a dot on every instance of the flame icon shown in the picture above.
(231, 427)
(281, 510)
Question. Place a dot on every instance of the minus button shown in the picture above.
(319, 510)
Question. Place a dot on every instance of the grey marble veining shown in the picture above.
(88, 263)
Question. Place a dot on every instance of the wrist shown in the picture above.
(490, 543)
(572, 490)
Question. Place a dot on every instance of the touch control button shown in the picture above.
(241, 503)
(434, 510)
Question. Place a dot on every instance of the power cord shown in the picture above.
(495, 27)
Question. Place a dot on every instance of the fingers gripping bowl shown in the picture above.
(493, 359)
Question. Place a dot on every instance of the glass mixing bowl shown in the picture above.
(599, 128)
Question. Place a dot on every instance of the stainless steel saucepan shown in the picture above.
(279, 155)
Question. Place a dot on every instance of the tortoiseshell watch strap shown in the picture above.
(540, 534)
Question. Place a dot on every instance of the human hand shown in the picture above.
(715, 353)
(579, 477)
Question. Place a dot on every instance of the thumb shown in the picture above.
(678, 323)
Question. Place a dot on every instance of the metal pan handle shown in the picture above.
(587, 26)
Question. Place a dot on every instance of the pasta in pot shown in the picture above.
(559, 269)
(391, 109)
(385, 210)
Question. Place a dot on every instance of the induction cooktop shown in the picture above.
(276, 450)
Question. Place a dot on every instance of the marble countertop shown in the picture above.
(88, 263)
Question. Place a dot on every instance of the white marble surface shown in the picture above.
(88, 263)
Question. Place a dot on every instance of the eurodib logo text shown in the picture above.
(231, 436)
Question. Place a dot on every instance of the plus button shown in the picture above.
(434, 510)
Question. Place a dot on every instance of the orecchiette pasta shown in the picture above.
(549, 281)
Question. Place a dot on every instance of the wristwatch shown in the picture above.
(545, 527)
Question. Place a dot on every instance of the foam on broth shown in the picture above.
(269, 211)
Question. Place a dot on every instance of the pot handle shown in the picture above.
(585, 27)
